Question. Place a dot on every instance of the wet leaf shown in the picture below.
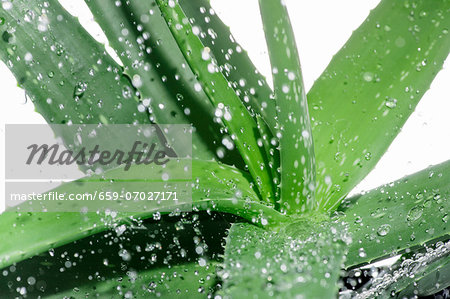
(433, 279)
(65, 72)
(215, 187)
(400, 215)
(369, 89)
(303, 258)
(297, 163)
(424, 267)
(229, 108)
(154, 62)
(237, 67)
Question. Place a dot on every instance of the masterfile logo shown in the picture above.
(125, 167)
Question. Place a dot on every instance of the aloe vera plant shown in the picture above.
(271, 169)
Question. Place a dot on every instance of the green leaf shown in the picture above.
(176, 281)
(370, 88)
(298, 173)
(303, 258)
(155, 64)
(272, 153)
(229, 107)
(400, 215)
(235, 64)
(433, 279)
(65, 72)
(215, 187)
(173, 255)
(403, 277)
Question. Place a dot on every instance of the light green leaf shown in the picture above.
(229, 108)
(215, 187)
(303, 258)
(400, 215)
(370, 88)
(297, 164)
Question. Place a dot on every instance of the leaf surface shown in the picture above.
(234, 61)
(65, 72)
(303, 258)
(297, 161)
(155, 64)
(400, 215)
(215, 187)
(371, 86)
(421, 267)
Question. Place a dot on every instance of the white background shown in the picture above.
(321, 28)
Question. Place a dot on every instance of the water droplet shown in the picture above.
(391, 103)
(415, 213)
(206, 53)
(137, 81)
(361, 252)
(28, 57)
(7, 5)
(383, 230)
(125, 255)
(126, 92)
(201, 262)
(400, 42)
(157, 216)
(29, 16)
(80, 89)
(368, 76)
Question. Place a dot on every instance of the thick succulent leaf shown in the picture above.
(403, 278)
(434, 279)
(344, 100)
(303, 258)
(187, 281)
(229, 108)
(400, 215)
(64, 71)
(371, 86)
(297, 161)
(140, 36)
(215, 187)
(175, 255)
(233, 60)
(272, 152)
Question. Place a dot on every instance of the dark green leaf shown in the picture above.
(403, 277)
(66, 73)
(155, 64)
(435, 278)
